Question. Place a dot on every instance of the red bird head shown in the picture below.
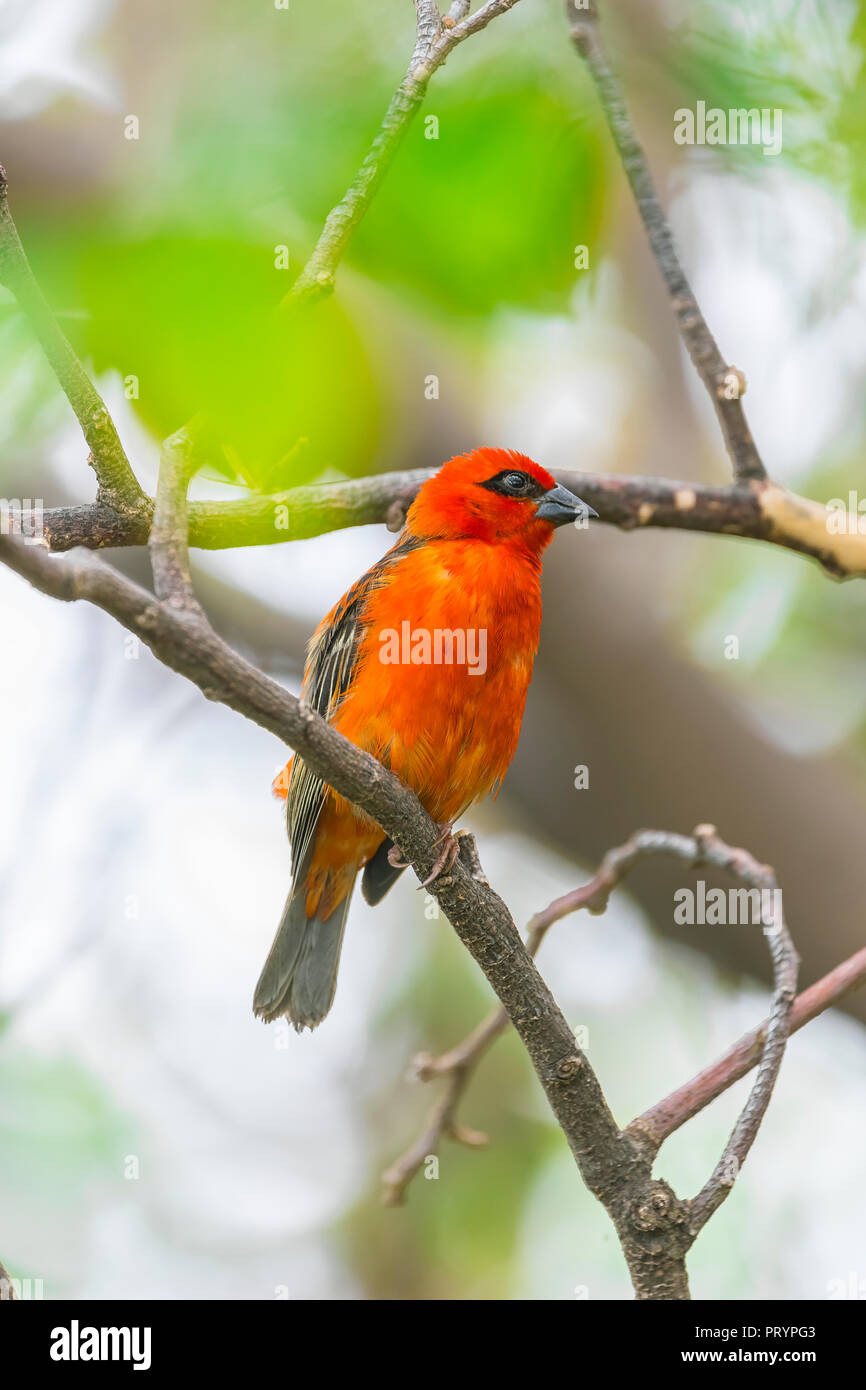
(493, 495)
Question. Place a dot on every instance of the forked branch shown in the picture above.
(457, 1066)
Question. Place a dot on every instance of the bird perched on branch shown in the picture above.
(425, 663)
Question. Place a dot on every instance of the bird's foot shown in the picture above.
(396, 860)
(450, 844)
(447, 854)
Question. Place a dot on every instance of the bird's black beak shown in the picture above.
(558, 506)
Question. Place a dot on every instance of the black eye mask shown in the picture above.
(511, 482)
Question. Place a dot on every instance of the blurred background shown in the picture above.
(156, 1141)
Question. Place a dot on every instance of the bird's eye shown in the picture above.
(515, 482)
(511, 482)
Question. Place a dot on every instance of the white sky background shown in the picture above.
(144, 865)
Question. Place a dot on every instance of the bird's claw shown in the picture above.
(446, 856)
(444, 859)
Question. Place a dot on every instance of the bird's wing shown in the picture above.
(332, 661)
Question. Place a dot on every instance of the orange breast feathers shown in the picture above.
(444, 665)
(441, 670)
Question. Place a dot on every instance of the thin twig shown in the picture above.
(724, 383)
(428, 27)
(433, 43)
(662, 1119)
(442, 1121)
(169, 535)
(785, 964)
(117, 482)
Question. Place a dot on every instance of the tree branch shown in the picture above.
(662, 1119)
(442, 1122)
(762, 511)
(117, 482)
(169, 536)
(725, 384)
(264, 519)
(785, 963)
(458, 1065)
(433, 43)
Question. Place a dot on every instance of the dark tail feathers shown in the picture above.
(300, 974)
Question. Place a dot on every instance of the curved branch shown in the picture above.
(785, 963)
(662, 1119)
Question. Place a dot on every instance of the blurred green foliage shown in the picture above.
(63, 1145)
(487, 214)
(174, 274)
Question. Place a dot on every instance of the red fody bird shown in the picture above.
(425, 663)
